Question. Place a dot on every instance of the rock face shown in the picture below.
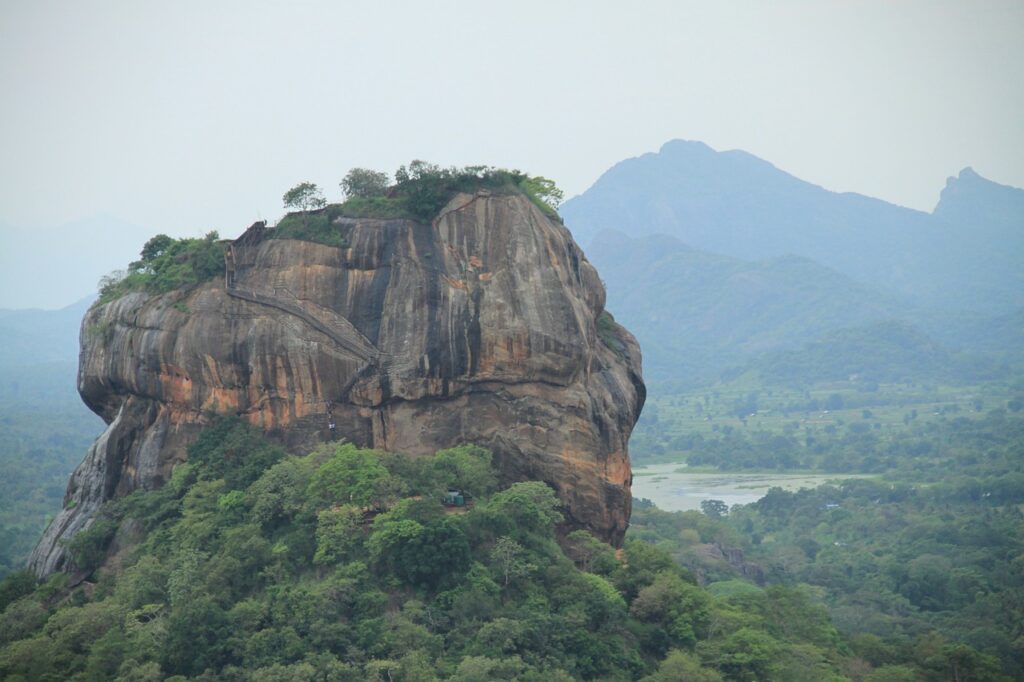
(478, 328)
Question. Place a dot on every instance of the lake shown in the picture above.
(672, 488)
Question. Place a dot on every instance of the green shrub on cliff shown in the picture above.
(544, 193)
(312, 226)
(607, 331)
(166, 264)
(425, 188)
(419, 193)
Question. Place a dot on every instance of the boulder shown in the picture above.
(480, 327)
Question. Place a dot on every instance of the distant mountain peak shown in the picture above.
(695, 150)
(970, 195)
(971, 177)
(678, 145)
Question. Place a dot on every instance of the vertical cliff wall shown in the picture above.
(480, 327)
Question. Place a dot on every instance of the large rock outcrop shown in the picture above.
(481, 327)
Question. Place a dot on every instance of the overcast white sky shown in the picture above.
(131, 118)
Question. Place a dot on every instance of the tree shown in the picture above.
(425, 187)
(88, 548)
(834, 402)
(467, 468)
(679, 665)
(364, 183)
(196, 637)
(523, 509)
(643, 563)
(421, 554)
(681, 610)
(509, 555)
(235, 451)
(280, 493)
(337, 533)
(589, 553)
(599, 600)
(716, 509)
(15, 586)
(544, 190)
(304, 196)
(484, 669)
(893, 673)
(351, 476)
(419, 170)
(746, 655)
(155, 247)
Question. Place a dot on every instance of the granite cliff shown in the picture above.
(486, 326)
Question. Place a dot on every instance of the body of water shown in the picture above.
(672, 488)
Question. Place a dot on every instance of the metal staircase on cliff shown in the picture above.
(342, 333)
(331, 324)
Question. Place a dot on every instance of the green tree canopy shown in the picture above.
(305, 196)
(351, 476)
(466, 468)
(542, 189)
(365, 183)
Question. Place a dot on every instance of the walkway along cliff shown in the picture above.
(480, 327)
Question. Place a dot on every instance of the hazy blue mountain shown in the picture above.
(1000, 337)
(39, 364)
(36, 336)
(697, 313)
(971, 200)
(738, 205)
(47, 266)
(982, 260)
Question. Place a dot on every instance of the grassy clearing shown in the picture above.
(742, 409)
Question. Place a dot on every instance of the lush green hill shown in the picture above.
(344, 565)
(891, 351)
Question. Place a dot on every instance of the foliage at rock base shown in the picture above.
(345, 565)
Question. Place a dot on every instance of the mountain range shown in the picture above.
(30, 336)
(713, 258)
(965, 255)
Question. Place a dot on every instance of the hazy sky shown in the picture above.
(131, 118)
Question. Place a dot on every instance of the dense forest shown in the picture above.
(921, 554)
(344, 564)
(44, 432)
(916, 580)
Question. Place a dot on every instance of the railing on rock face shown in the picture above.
(353, 343)
(326, 321)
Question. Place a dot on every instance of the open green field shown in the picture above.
(671, 421)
